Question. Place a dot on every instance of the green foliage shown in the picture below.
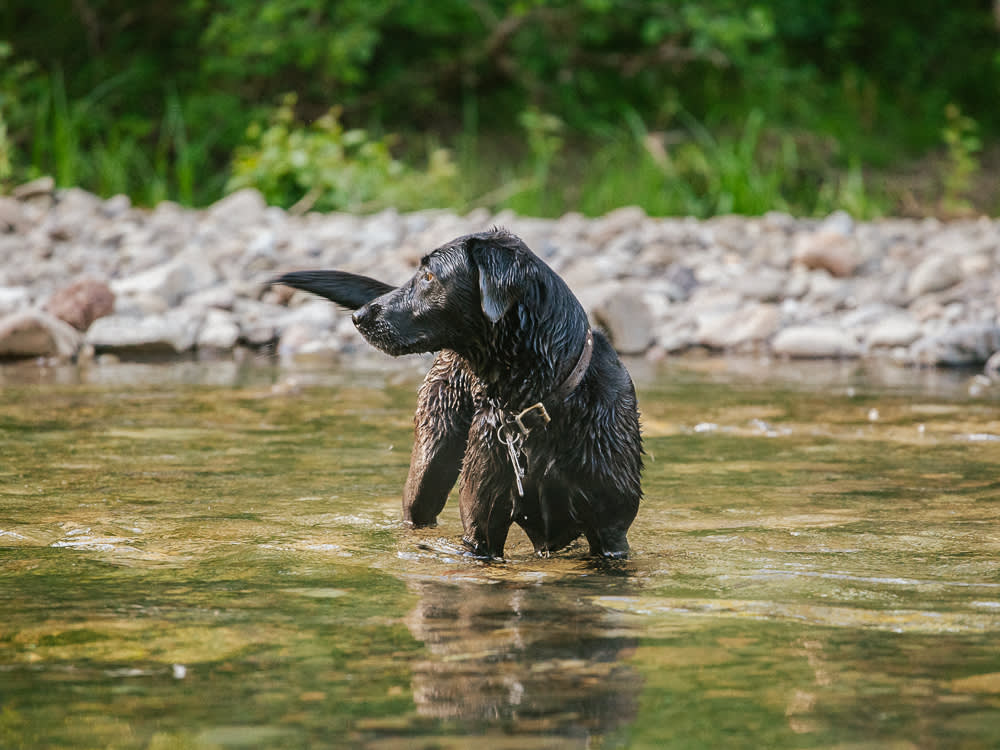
(325, 166)
(10, 78)
(151, 162)
(849, 191)
(544, 135)
(695, 172)
(773, 104)
(961, 139)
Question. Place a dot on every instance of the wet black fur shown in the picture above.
(509, 332)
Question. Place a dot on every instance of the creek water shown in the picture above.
(209, 555)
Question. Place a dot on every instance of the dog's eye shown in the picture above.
(428, 276)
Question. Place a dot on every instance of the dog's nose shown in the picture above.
(366, 314)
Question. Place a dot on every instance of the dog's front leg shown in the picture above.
(444, 412)
(486, 499)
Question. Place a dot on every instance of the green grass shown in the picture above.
(77, 142)
(693, 171)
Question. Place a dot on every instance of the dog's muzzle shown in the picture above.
(364, 318)
(370, 320)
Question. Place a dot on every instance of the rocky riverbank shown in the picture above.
(81, 276)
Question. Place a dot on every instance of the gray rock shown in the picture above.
(827, 291)
(609, 226)
(221, 296)
(839, 222)
(740, 328)
(174, 332)
(382, 232)
(170, 281)
(40, 187)
(900, 330)
(14, 298)
(139, 305)
(815, 341)
(116, 206)
(867, 315)
(682, 279)
(258, 321)
(301, 341)
(34, 333)
(583, 272)
(671, 338)
(12, 216)
(934, 274)
(763, 285)
(241, 209)
(219, 331)
(315, 313)
(959, 346)
(626, 317)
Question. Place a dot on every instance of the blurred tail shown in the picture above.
(346, 289)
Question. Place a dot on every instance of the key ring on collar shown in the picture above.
(510, 434)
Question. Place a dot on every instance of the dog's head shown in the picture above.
(459, 293)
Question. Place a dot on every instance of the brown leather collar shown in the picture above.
(538, 414)
(575, 376)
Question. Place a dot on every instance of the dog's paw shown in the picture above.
(411, 524)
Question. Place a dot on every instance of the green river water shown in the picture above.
(209, 555)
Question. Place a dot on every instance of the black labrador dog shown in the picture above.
(530, 405)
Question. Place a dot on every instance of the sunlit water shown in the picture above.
(210, 556)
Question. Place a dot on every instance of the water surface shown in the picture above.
(209, 555)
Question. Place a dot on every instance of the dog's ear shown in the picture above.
(349, 290)
(501, 280)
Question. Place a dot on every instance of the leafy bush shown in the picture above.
(327, 167)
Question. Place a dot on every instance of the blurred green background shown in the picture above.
(696, 107)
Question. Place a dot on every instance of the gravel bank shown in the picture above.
(81, 276)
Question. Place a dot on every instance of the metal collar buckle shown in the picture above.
(542, 412)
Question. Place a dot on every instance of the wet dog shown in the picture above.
(529, 404)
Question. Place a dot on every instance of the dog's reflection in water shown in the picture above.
(537, 658)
